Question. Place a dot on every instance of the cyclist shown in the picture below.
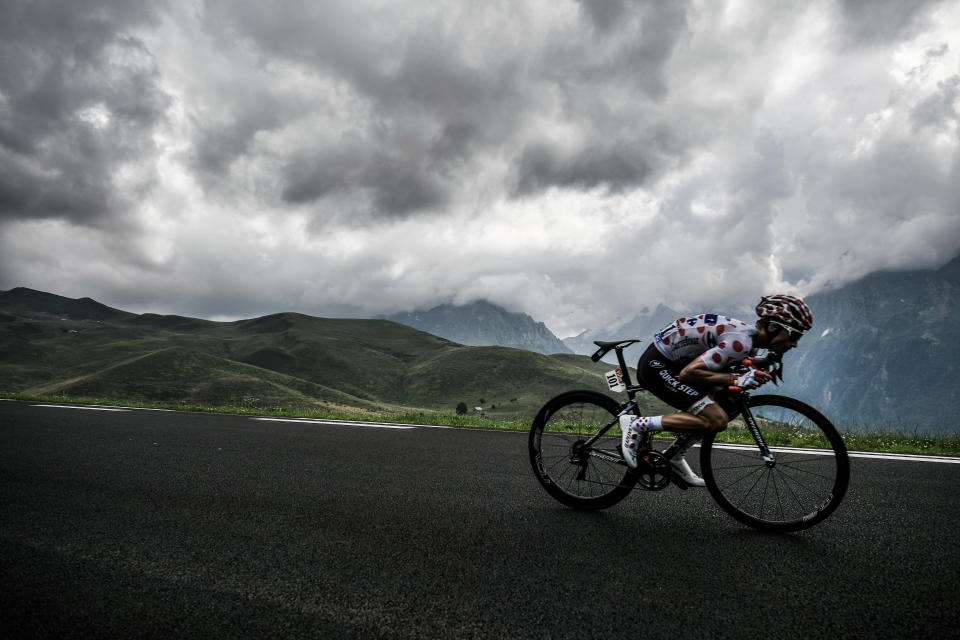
(685, 365)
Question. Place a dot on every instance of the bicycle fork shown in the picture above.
(765, 452)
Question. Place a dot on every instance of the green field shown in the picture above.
(58, 347)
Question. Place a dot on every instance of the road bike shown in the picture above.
(788, 474)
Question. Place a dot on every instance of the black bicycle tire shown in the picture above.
(616, 494)
(837, 492)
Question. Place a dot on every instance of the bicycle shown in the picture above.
(575, 452)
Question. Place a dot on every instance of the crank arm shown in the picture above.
(609, 457)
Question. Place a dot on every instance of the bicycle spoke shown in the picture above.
(766, 488)
(752, 487)
(799, 488)
(751, 465)
(793, 493)
(776, 494)
(576, 474)
(559, 465)
(753, 470)
(806, 487)
(804, 471)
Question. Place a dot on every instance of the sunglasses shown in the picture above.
(793, 333)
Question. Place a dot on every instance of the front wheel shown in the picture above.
(802, 484)
(579, 474)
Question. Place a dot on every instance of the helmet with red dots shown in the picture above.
(786, 310)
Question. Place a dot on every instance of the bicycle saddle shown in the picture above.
(614, 344)
(607, 346)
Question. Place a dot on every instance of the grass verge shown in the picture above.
(941, 443)
(890, 440)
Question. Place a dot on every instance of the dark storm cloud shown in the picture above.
(624, 56)
(396, 185)
(427, 108)
(78, 97)
(605, 14)
(882, 21)
(615, 168)
(938, 109)
(437, 111)
(632, 41)
(630, 47)
(217, 144)
(452, 145)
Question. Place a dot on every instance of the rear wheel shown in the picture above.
(803, 484)
(578, 475)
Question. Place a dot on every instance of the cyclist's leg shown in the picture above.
(698, 412)
(710, 419)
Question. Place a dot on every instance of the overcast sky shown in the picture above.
(576, 161)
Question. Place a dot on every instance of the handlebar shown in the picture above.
(771, 363)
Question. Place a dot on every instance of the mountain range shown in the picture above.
(641, 327)
(481, 323)
(51, 345)
(885, 350)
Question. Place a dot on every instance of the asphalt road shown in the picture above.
(158, 524)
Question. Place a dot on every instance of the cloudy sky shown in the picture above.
(574, 160)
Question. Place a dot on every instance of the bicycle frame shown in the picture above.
(632, 390)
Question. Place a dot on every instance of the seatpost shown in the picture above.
(623, 367)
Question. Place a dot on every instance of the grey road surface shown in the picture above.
(159, 524)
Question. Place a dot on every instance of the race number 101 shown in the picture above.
(615, 380)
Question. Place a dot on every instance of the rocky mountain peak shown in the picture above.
(482, 323)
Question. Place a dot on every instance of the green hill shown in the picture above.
(51, 345)
(34, 302)
(508, 380)
(176, 374)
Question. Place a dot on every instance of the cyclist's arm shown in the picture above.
(697, 374)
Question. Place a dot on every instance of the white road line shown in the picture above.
(911, 457)
(75, 406)
(907, 457)
(100, 407)
(137, 408)
(346, 423)
(742, 447)
(904, 456)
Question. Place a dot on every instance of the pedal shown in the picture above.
(653, 470)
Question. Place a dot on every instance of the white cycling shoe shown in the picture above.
(629, 441)
(682, 469)
(631, 428)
